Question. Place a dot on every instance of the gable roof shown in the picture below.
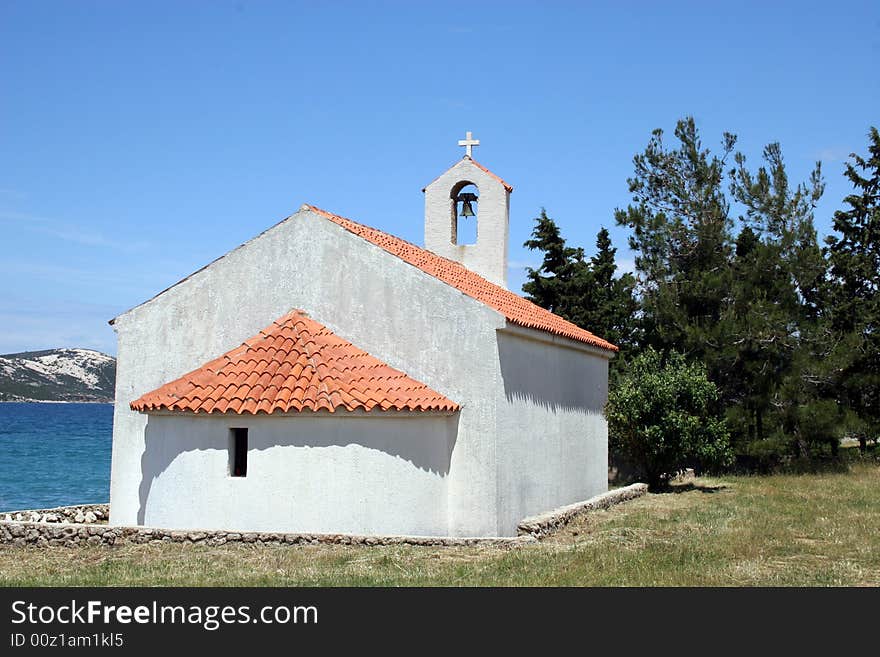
(514, 307)
(506, 184)
(295, 364)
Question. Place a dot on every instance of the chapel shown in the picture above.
(329, 377)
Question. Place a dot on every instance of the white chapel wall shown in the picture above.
(340, 473)
(551, 431)
(391, 309)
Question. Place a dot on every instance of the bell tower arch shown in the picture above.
(465, 196)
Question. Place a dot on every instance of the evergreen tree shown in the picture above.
(682, 239)
(777, 347)
(855, 297)
(783, 216)
(585, 292)
(607, 304)
(551, 285)
(751, 310)
(760, 350)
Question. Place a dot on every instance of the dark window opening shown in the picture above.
(238, 449)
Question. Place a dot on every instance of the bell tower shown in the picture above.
(467, 211)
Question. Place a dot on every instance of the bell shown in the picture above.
(466, 199)
(466, 209)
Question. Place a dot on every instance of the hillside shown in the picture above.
(58, 375)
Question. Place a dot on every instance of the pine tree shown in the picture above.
(682, 239)
(855, 278)
(550, 286)
(778, 345)
(784, 217)
(751, 310)
(585, 292)
(760, 350)
(607, 305)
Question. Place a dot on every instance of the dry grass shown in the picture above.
(742, 531)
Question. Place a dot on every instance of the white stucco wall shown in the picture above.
(551, 431)
(383, 305)
(354, 473)
(488, 256)
(530, 435)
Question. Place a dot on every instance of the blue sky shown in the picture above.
(139, 141)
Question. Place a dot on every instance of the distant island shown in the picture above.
(58, 375)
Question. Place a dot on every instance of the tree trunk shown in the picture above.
(802, 448)
(863, 443)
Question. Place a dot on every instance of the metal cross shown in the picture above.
(468, 142)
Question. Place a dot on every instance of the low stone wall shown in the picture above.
(65, 535)
(547, 523)
(86, 525)
(81, 513)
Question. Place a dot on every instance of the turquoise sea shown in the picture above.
(54, 454)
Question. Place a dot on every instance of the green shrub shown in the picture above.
(821, 426)
(767, 455)
(663, 417)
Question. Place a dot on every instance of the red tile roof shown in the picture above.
(515, 308)
(507, 186)
(296, 364)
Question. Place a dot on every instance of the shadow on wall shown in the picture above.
(425, 442)
(555, 378)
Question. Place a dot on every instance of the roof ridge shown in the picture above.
(506, 184)
(515, 308)
(483, 168)
(331, 363)
(449, 261)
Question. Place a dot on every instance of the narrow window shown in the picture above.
(238, 448)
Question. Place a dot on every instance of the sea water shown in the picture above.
(54, 454)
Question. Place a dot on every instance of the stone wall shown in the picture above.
(53, 527)
(81, 513)
(42, 534)
(547, 523)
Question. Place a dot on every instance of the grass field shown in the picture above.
(817, 529)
